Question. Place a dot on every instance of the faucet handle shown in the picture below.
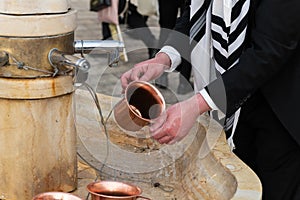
(111, 47)
(113, 58)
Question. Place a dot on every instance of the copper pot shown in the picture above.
(113, 190)
(56, 196)
(142, 103)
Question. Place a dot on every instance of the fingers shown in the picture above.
(172, 141)
(160, 130)
(166, 129)
(125, 79)
(134, 74)
(165, 139)
(129, 76)
(158, 122)
(137, 73)
(143, 71)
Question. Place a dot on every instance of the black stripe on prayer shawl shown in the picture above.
(237, 9)
(226, 61)
(220, 22)
(218, 37)
(220, 59)
(198, 23)
(239, 29)
(199, 12)
(234, 56)
(199, 34)
(239, 14)
(197, 30)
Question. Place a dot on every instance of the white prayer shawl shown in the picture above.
(210, 53)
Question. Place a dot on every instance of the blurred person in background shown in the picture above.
(134, 20)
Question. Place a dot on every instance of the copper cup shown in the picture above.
(55, 196)
(113, 190)
(141, 104)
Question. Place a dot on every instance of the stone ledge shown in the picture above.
(211, 172)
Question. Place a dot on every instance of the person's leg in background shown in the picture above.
(168, 14)
(185, 85)
(264, 144)
(105, 31)
(139, 22)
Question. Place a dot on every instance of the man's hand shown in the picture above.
(177, 121)
(147, 70)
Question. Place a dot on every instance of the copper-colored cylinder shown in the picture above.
(141, 104)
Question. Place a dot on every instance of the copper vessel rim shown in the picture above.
(52, 194)
(90, 185)
(150, 88)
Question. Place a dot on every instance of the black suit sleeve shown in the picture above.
(274, 41)
(179, 36)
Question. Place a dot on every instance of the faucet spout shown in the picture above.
(63, 63)
(58, 59)
(111, 47)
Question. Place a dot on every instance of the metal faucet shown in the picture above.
(59, 59)
(63, 62)
(112, 47)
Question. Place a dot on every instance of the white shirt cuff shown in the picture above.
(173, 55)
(208, 100)
(211, 104)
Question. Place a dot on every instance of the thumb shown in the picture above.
(158, 122)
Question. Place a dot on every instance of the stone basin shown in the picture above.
(201, 166)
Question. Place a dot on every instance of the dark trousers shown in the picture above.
(264, 144)
(168, 14)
